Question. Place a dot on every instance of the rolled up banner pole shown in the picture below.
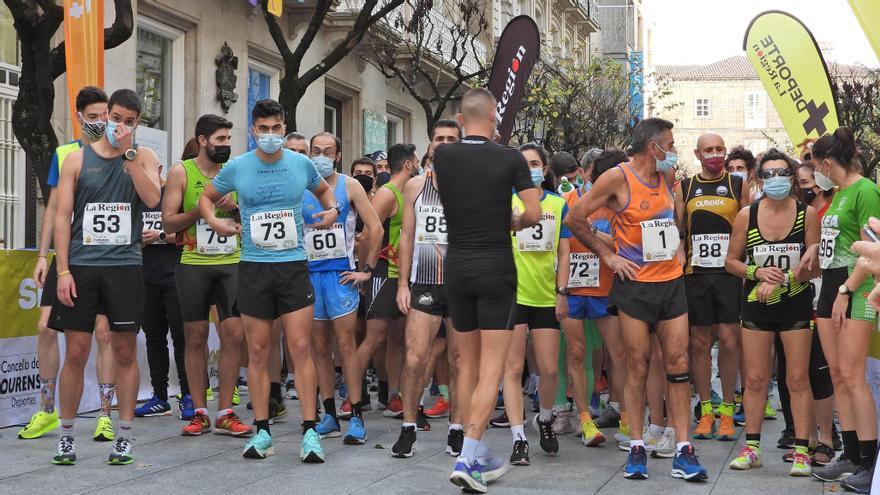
(83, 48)
(515, 57)
(868, 14)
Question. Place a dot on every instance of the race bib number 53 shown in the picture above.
(659, 239)
(106, 224)
(274, 230)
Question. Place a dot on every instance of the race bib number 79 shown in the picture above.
(106, 224)
(274, 230)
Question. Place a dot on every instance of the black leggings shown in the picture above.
(820, 376)
(161, 312)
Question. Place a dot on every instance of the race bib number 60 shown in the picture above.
(325, 244)
(274, 230)
(659, 239)
(106, 224)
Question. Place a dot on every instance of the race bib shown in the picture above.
(826, 247)
(783, 256)
(153, 221)
(325, 244)
(709, 250)
(584, 270)
(430, 225)
(274, 230)
(210, 242)
(107, 224)
(539, 237)
(659, 240)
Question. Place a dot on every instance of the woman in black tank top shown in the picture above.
(779, 236)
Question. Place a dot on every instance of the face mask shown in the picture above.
(777, 187)
(326, 166)
(382, 178)
(668, 162)
(823, 180)
(713, 164)
(809, 196)
(579, 182)
(537, 176)
(93, 130)
(742, 175)
(219, 154)
(111, 138)
(270, 143)
(366, 181)
(587, 186)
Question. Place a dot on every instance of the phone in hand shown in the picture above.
(871, 234)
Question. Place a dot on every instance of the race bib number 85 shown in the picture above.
(106, 224)
(659, 239)
(430, 225)
(274, 230)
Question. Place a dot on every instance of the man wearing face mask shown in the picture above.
(207, 274)
(383, 170)
(336, 280)
(707, 204)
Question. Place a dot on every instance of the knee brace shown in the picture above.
(679, 378)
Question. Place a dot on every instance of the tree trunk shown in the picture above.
(289, 96)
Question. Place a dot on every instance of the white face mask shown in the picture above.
(823, 180)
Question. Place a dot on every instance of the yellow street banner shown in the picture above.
(83, 48)
(19, 293)
(868, 14)
(785, 56)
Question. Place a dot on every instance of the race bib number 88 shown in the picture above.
(106, 224)
(659, 239)
(709, 250)
(274, 230)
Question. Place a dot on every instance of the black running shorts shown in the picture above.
(200, 286)
(713, 298)
(117, 289)
(481, 302)
(269, 290)
(536, 318)
(383, 299)
(649, 302)
(430, 299)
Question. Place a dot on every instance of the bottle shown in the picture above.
(564, 186)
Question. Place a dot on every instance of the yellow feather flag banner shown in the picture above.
(83, 48)
(274, 7)
(785, 56)
(868, 14)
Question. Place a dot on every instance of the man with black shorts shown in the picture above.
(102, 193)
(480, 272)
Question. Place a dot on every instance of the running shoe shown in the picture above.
(454, 442)
(468, 476)
(394, 409)
(492, 467)
(40, 424)
(422, 420)
(549, 443)
(769, 411)
(277, 411)
(328, 428)
(748, 458)
(860, 481)
(726, 431)
(608, 419)
(499, 402)
(686, 465)
(290, 388)
(562, 421)
(786, 439)
(209, 394)
(356, 433)
(259, 446)
(200, 423)
(622, 437)
(590, 434)
(636, 464)
(242, 384)
(715, 398)
(500, 421)
(835, 471)
(439, 410)
(595, 405)
(341, 388)
(788, 456)
(665, 447)
(153, 407)
(520, 454)
(186, 407)
(104, 430)
(311, 451)
(230, 424)
(739, 418)
(800, 465)
(405, 446)
(120, 454)
(435, 389)
(822, 455)
(536, 403)
(345, 411)
(706, 427)
(236, 397)
(66, 455)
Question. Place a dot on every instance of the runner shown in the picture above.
(707, 204)
(648, 290)
(845, 319)
(336, 283)
(296, 142)
(775, 234)
(91, 107)
(273, 275)
(740, 162)
(363, 170)
(480, 271)
(208, 275)
(103, 188)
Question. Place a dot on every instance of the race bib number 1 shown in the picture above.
(210, 242)
(659, 239)
(106, 224)
(153, 221)
(826, 247)
(431, 225)
(584, 270)
(274, 230)
(325, 244)
(709, 250)
(539, 237)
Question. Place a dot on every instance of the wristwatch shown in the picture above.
(338, 208)
(162, 235)
(367, 268)
(131, 154)
(844, 290)
(562, 291)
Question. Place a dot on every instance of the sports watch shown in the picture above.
(131, 154)
(844, 290)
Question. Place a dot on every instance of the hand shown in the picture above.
(770, 274)
(561, 307)
(403, 298)
(226, 203)
(40, 271)
(225, 226)
(811, 256)
(66, 290)
(325, 218)
(150, 237)
(679, 254)
(764, 290)
(516, 220)
(874, 298)
(622, 267)
(123, 137)
(870, 255)
(355, 278)
(838, 312)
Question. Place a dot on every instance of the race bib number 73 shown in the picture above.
(274, 230)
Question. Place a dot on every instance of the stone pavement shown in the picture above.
(167, 463)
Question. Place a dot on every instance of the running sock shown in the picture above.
(67, 426)
(851, 448)
(105, 391)
(545, 415)
(161, 393)
(262, 424)
(124, 429)
(469, 449)
(308, 425)
(407, 425)
(47, 394)
(330, 408)
(753, 440)
(289, 377)
(201, 410)
(275, 391)
(656, 430)
(393, 391)
(726, 409)
(356, 408)
(222, 412)
(705, 407)
(518, 432)
(383, 391)
(802, 446)
(637, 443)
(444, 391)
(679, 446)
(456, 426)
(868, 449)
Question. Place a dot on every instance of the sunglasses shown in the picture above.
(775, 172)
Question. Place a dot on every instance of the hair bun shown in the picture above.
(847, 142)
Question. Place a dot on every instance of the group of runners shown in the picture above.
(461, 269)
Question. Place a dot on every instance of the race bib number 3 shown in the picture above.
(153, 221)
(107, 224)
(210, 242)
(539, 237)
(431, 225)
(584, 270)
(659, 239)
(274, 230)
(709, 250)
(325, 244)
(826, 247)
(783, 256)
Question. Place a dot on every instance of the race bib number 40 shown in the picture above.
(826, 247)
(709, 250)
(325, 244)
(584, 270)
(210, 242)
(431, 225)
(539, 237)
(274, 230)
(153, 221)
(783, 256)
(659, 239)
(107, 224)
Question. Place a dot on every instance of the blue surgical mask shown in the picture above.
(111, 128)
(270, 143)
(742, 175)
(668, 162)
(537, 176)
(777, 187)
(326, 166)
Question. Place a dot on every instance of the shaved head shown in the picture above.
(477, 104)
(709, 139)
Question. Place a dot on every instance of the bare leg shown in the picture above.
(728, 359)
(609, 329)
(421, 328)
(298, 331)
(673, 335)
(197, 362)
(491, 355)
(637, 343)
(127, 373)
(78, 345)
(231, 335)
(513, 367)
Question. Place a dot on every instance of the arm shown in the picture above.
(368, 247)
(745, 195)
(531, 199)
(680, 209)
(172, 219)
(736, 248)
(328, 201)
(808, 268)
(222, 226)
(46, 228)
(144, 172)
(562, 272)
(66, 290)
(405, 244)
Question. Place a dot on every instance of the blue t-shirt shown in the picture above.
(55, 167)
(270, 199)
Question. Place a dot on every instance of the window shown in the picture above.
(333, 116)
(154, 78)
(702, 107)
(258, 89)
(755, 111)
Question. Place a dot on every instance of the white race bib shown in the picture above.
(106, 224)
(274, 230)
(325, 244)
(210, 242)
(659, 239)
(709, 250)
(826, 247)
(153, 221)
(431, 225)
(584, 270)
(539, 237)
(783, 256)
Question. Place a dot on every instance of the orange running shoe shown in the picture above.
(229, 424)
(440, 409)
(200, 423)
(726, 432)
(706, 427)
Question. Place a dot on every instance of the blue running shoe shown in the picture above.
(311, 451)
(716, 399)
(153, 407)
(468, 477)
(328, 428)
(499, 402)
(259, 446)
(686, 465)
(739, 417)
(342, 391)
(636, 464)
(357, 432)
(493, 467)
(186, 407)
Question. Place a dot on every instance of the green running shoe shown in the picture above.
(104, 430)
(259, 446)
(311, 451)
(40, 424)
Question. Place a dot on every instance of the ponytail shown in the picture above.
(839, 146)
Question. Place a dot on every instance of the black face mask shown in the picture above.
(382, 178)
(366, 181)
(809, 196)
(219, 154)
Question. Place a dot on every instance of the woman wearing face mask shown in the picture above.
(775, 234)
(845, 318)
(811, 193)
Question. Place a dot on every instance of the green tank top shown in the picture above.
(391, 239)
(201, 246)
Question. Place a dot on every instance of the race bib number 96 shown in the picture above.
(210, 242)
(106, 224)
(274, 230)
(325, 244)
(709, 250)
(783, 256)
(659, 239)
(584, 270)
(826, 247)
